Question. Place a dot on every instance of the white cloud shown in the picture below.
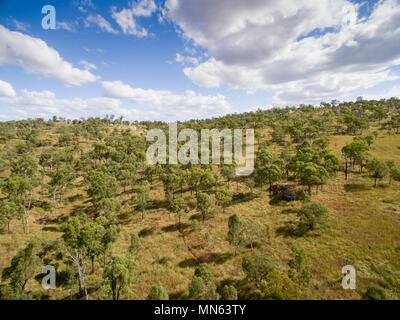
(303, 49)
(35, 56)
(102, 23)
(66, 26)
(87, 65)
(45, 104)
(126, 17)
(21, 26)
(170, 105)
(6, 90)
(186, 59)
(386, 94)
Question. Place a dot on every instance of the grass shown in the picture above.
(364, 232)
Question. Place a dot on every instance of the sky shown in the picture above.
(193, 59)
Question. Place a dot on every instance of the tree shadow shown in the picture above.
(289, 211)
(188, 263)
(355, 187)
(158, 204)
(146, 232)
(243, 197)
(216, 258)
(291, 229)
(176, 227)
(180, 295)
(50, 228)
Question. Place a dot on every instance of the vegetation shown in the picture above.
(80, 196)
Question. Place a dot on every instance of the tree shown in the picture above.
(20, 191)
(135, 245)
(196, 288)
(394, 173)
(24, 266)
(158, 293)
(311, 174)
(256, 267)
(118, 275)
(72, 245)
(204, 204)
(224, 198)
(177, 206)
(60, 179)
(229, 292)
(235, 232)
(299, 271)
(312, 216)
(100, 186)
(228, 171)
(8, 212)
(378, 169)
(252, 230)
(92, 236)
(143, 196)
(204, 273)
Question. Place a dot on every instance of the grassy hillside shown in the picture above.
(364, 220)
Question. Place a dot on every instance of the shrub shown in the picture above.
(158, 293)
(375, 293)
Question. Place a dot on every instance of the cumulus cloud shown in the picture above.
(45, 104)
(102, 23)
(35, 56)
(303, 50)
(145, 104)
(170, 105)
(126, 17)
(6, 90)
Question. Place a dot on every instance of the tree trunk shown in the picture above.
(92, 264)
(23, 288)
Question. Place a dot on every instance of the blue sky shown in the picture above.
(176, 60)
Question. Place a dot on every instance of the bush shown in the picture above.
(312, 216)
(280, 287)
(158, 293)
(375, 293)
(229, 293)
(256, 267)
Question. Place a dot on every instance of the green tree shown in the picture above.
(229, 292)
(235, 232)
(143, 197)
(378, 170)
(256, 267)
(204, 204)
(100, 186)
(177, 206)
(224, 198)
(158, 293)
(135, 245)
(196, 288)
(299, 271)
(8, 212)
(24, 266)
(312, 216)
(119, 274)
(252, 230)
